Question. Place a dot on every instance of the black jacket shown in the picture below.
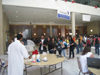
(44, 43)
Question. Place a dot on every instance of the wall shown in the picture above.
(41, 29)
(1, 29)
(5, 31)
(95, 26)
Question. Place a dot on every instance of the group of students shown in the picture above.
(88, 41)
(53, 45)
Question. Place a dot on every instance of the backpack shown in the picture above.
(88, 42)
(59, 48)
(96, 41)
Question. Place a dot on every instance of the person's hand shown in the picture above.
(54, 50)
(22, 43)
(30, 57)
(40, 42)
(43, 45)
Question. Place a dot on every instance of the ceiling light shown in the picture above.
(16, 11)
(16, 16)
(91, 30)
(34, 12)
(50, 14)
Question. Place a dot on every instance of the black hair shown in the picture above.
(50, 38)
(19, 36)
(42, 35)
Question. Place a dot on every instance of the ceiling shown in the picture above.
(19, 14)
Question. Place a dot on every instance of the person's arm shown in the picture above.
(92, 56)
(24, 51)
(39, 43)
(45, 43)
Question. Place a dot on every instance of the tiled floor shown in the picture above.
(70, 67)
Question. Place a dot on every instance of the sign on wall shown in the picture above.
(63, 14)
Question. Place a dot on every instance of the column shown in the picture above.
(1, 29)
(51, 31)
(73, 24)
(63, 31)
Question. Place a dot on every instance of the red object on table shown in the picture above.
(95, 6)
(35, 52)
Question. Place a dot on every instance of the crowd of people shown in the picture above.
(61, 44)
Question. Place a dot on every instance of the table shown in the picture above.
(94, 70)
(52, 60)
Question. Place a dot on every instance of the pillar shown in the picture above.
(1, 29)
(73, 24)
(51, 31)
(63, 31)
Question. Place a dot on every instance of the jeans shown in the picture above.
(91, 74)
(97, 48)
(81, 47)
(52, 52)
(77, 49)
(63, 51)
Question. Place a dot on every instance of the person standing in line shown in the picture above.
(71, 50)
(59, 43)
(77, 43)
(16, 54)
(88, 42)
(67, 41)
(54, 42)
(96, 43)
(42, 44)
(81, 44)
(51, 46)
(64, 46)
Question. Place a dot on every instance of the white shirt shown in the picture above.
(83, 61)
(42, 40)
(16, 53)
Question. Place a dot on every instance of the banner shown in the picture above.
(63, 14)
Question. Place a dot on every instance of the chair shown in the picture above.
(79, 66)
(3, 66)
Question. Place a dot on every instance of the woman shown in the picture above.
(59, 44)
(51, 46)
(54, 42)
(83, 59)
(67, 41)
(71, 47)
(64, 46)
(77, 43)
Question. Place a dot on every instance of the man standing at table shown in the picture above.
(16, 54)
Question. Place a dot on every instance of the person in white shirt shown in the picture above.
(16, 54)
(83, 59)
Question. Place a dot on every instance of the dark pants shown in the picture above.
(71, 50)
(59, 52)
(77, 49)
(97, 48)
(52, 52)
(41, 51)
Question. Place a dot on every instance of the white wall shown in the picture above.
(52, 4)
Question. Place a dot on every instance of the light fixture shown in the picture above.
(34, 12)
(59, 33)
(91, 30)
(44, 34)
(50, 14)
(34, 33)
(16, 16)
(16, 11)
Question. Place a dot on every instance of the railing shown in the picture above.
(88, 2)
